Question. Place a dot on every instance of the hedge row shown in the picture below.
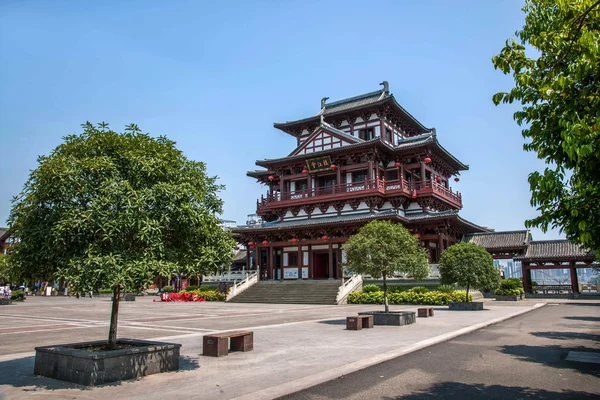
(428, 298)
(509, 292)
(208, 295)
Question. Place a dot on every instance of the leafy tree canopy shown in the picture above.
(381, 249)
(558, 85)
(468, 265)
(108, 209)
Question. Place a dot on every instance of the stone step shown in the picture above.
(296, 292)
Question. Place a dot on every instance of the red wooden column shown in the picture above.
(526, 276)
(310, 188)
(271, 263)
(440, 246)
(330, 260)
(248, 266)
(339, 179)
(574, 280)
(300, 260)
(422, 173)
(310, 262)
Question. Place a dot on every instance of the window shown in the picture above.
(366, 134)
(391, 175)
(388, 136)
(293, 259)
(301, 185)
(359, 177)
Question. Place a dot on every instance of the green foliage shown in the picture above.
(371, 288)
(555, 69)
(191, 288)
(446, 288)
(106, 209)
(470, 266)
(419, 289)
(208, 295)
(18, 295)
(511, 283)
(104, 291)
(5, 273)
(167, 289)
(509, 292)
(381, 249)
(408, 297)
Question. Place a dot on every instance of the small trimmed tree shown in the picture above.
(468, 265)
(108, 209)
(382, 248)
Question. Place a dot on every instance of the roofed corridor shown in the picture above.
(366, 187)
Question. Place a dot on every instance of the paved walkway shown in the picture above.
(523, 358)
(294, 346)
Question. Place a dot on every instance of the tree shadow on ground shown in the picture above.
(591, 319)
(456, 390)
(567, 336)
(18, 373)
(552, 356)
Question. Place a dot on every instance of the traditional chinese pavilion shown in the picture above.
(356, 160)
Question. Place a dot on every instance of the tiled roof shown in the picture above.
(354, 103)
(240, 256)
(428, 215)
(500, 240)
(4, 233)
(555, 250)
(338, 219)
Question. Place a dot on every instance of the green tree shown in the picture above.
(555, 66)
(468, 265)
(382, 248)
(108, 209)
(4, 268)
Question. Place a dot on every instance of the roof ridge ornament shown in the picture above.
(386, 90)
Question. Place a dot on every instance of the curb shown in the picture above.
(326, 376)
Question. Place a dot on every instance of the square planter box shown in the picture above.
(470, 306)
(396, 318)
(508, 298)
(4, 301)
(67, 362)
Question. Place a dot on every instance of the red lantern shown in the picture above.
(456, 179)
(333, 166)
(305, 171)
(294, 240)
(397, 164)
(237, 247)
(438, 179)
(271, 178)
(427, 160)
(250, 244)
(414, 194)
(417, 235)
(277, 182)
(324, 237)
(265, 242)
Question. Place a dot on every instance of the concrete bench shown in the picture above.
(359, 322)
(218, 345)
(425, 312)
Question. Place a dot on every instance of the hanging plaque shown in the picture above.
(319, 164)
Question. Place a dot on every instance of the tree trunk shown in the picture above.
(385, 297)
(114, 315)
(467, 294)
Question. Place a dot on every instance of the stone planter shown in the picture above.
(470, 306)
(129, 297)
(4, 301)
(508, 298)
(396, 318)
(67, 362)
(488, 295)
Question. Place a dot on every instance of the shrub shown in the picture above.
(371, 288)
(191, 288)
(208, 295)
(167, 289)
(18, 295)
(397, 289)
(104, 291)
(511, 283)
(509, 292)
(446, 288)
(419, 289)
(436, 298)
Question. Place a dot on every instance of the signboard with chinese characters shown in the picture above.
(319, 164)
(292, 273)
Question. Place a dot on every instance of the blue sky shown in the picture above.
(214, 76)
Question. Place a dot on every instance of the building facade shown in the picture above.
(357, 160)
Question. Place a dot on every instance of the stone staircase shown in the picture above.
(290, 292)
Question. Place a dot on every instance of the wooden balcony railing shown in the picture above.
(380, 186)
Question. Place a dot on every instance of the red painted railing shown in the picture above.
(381, 186)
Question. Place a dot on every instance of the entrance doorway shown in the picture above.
(320, 265)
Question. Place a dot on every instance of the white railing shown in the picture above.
(348, 286)
(239, 287)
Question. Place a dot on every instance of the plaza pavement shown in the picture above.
(295, 346)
